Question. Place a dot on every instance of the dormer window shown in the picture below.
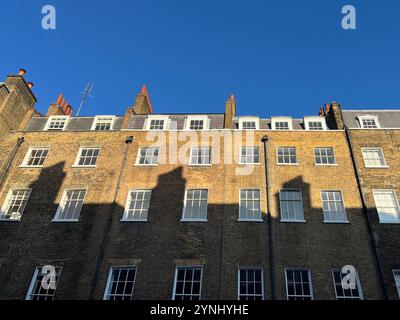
(56, 123)
(103, 123)
(368, 122)
(281, 123)
(157, 123)
(197, 123)
(248, 123)
(314, 123)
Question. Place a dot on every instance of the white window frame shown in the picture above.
(6, 204)
(188, 267)
(382, 221)
(249, 163)
(343, 203)
(33, 281)
(127, 203)
(200, 164)
(150, 118)
(368, 117)
(259, 219)
(204, 118)
(397, 280)
(61, 206)
(137, 163)
(79, 155)
(307, 121)
(51, 118)
(374, 149)
(98, 118)
(310, 282)
(274, 120)
(357, 282)
(106, 294)
(280, 206)
(287, 163)
(325, 164)
(185, 219)
(262, 283)
(256, 120)
(28, 157)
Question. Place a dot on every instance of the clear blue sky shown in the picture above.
(277, 57)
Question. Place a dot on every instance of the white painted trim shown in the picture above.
(307, 121)
(256, 120)
(240, 201)
(357, 280)
(78, 156)
(383, 156)
(5, 206)
(150, 118)
(344, 207)
(127, 202)
(61, 205)
(105, 294)
(366, 117)
(325, 164)
(191, 267)
(28, 154)
(249, 163)
(200, 164)
(262, 280)
(189, 118)
(183, 219)
(397, 204)
(51, 118)
(280, 206)
(96, 118)
(309, 276)
(281, 119)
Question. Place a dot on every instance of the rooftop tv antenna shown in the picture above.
(85, 94)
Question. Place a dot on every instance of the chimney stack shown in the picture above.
(142, 102)
(60, 107)
(230, 112)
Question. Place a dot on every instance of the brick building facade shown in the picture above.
(189, 206)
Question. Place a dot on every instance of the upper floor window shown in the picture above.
(15, 204)
(121, 281)
(103, 123)
(324, 156)
(345, 293)
(373, 158)
(396, 275)
(35, 157)
(250, 284)
(157, 122)
(368, 122)
(281, 123)
(137, 205)
(249, 155)
(87, 157)
(314, 123)
(187, 284)
(70, 205)
(298, 284)
(286, 155)
(333, 206)
(56, 123)
(387, 206)
(148, 156)
(248, 123)
(291, 205)
(43, 290)
(195, 206)
(197, 123)
(249, 205)
(200, 156)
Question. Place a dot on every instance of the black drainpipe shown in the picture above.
(269, 219)
(365, 211)
(10, 160)
(104, 241)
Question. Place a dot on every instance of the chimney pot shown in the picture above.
(21, 72)
(30, 85)
(232, 97)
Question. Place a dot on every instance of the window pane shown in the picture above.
(188, 283)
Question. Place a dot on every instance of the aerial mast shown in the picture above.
(85, 94)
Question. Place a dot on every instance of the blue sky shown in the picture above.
(277, 57)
